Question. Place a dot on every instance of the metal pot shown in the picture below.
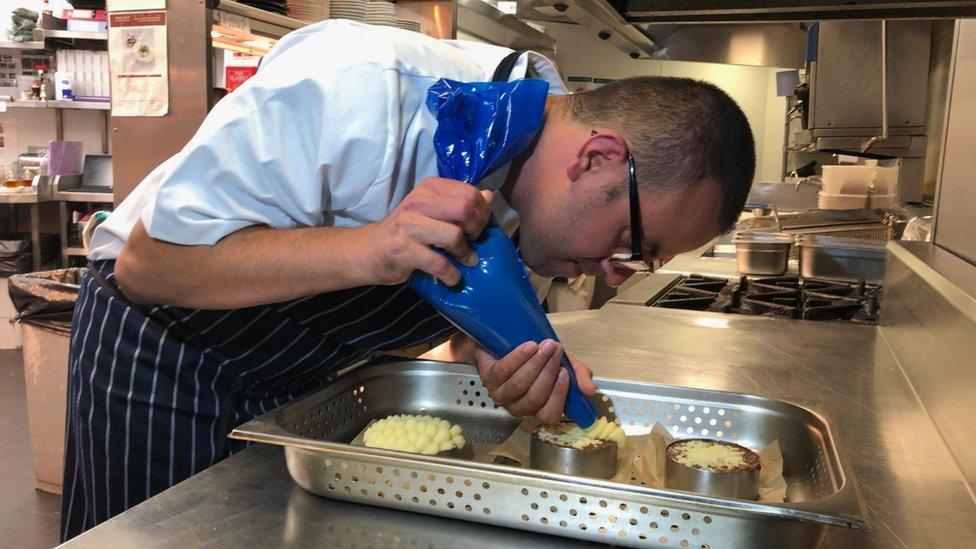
(759, 253)
(838, 258)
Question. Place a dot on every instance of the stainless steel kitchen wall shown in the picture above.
(955, 225)
(928, 318)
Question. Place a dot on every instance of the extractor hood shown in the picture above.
(598, 17)
(743, 32)
(723, 11)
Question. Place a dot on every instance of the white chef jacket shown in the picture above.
(333, 130)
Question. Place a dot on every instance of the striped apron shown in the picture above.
(153, 392)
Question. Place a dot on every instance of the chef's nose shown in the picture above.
(615, 275)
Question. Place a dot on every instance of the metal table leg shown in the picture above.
(63, 215)
(35, 223)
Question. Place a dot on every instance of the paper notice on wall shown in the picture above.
(139, 63)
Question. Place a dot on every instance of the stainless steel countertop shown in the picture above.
(696, 262)
(715, 259)
(689, 263)
(915, 493)
(29, 197)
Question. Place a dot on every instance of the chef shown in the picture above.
(273, 250)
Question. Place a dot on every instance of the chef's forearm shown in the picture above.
(254, 266)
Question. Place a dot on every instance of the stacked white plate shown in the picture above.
(308, 10)
(348, 9)
(381, 13)
(406, 24)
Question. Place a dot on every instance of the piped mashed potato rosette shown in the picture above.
(426, 435)
(572, 435)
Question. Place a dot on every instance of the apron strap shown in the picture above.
(504, 69)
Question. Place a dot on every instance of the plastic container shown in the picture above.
(847, 179)
(881, 201)
(828, 201)
(885, 180)
(63, 85)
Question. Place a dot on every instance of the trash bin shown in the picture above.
(45, 302)
(16, 255)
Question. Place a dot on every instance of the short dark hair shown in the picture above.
(679, 131)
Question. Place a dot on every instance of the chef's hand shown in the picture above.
(530, 381)
(441, 213)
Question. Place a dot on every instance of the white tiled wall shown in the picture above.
(36, 127)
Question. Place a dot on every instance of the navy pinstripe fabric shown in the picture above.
(152, 392)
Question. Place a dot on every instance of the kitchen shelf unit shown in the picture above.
(66, 199)
(74, 35)
(60, 104)
(34, 45)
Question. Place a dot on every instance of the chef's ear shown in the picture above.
(603, 150)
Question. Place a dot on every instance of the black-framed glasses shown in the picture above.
(635, 261)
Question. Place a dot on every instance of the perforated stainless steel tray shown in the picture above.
(315, 432)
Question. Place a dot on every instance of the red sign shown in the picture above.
(236, 76)
(138, 19)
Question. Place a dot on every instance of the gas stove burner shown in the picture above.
(784, 296)
(687, 298)
(694, 293)
(707, 283)
(785, 303)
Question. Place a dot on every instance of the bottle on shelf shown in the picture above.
(63, 86)
(47, 86)
(42, 87)
(35, 89)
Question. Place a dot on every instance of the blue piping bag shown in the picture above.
(481, 127)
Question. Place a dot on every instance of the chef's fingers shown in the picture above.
(584, 376)
(537, 394)
(427, 260)
(514, 379)
(498, 371)
(524, 378)
(552, 412)
(483, 361)
(453, 201)
(443, 235)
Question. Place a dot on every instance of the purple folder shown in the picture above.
(65, 157)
